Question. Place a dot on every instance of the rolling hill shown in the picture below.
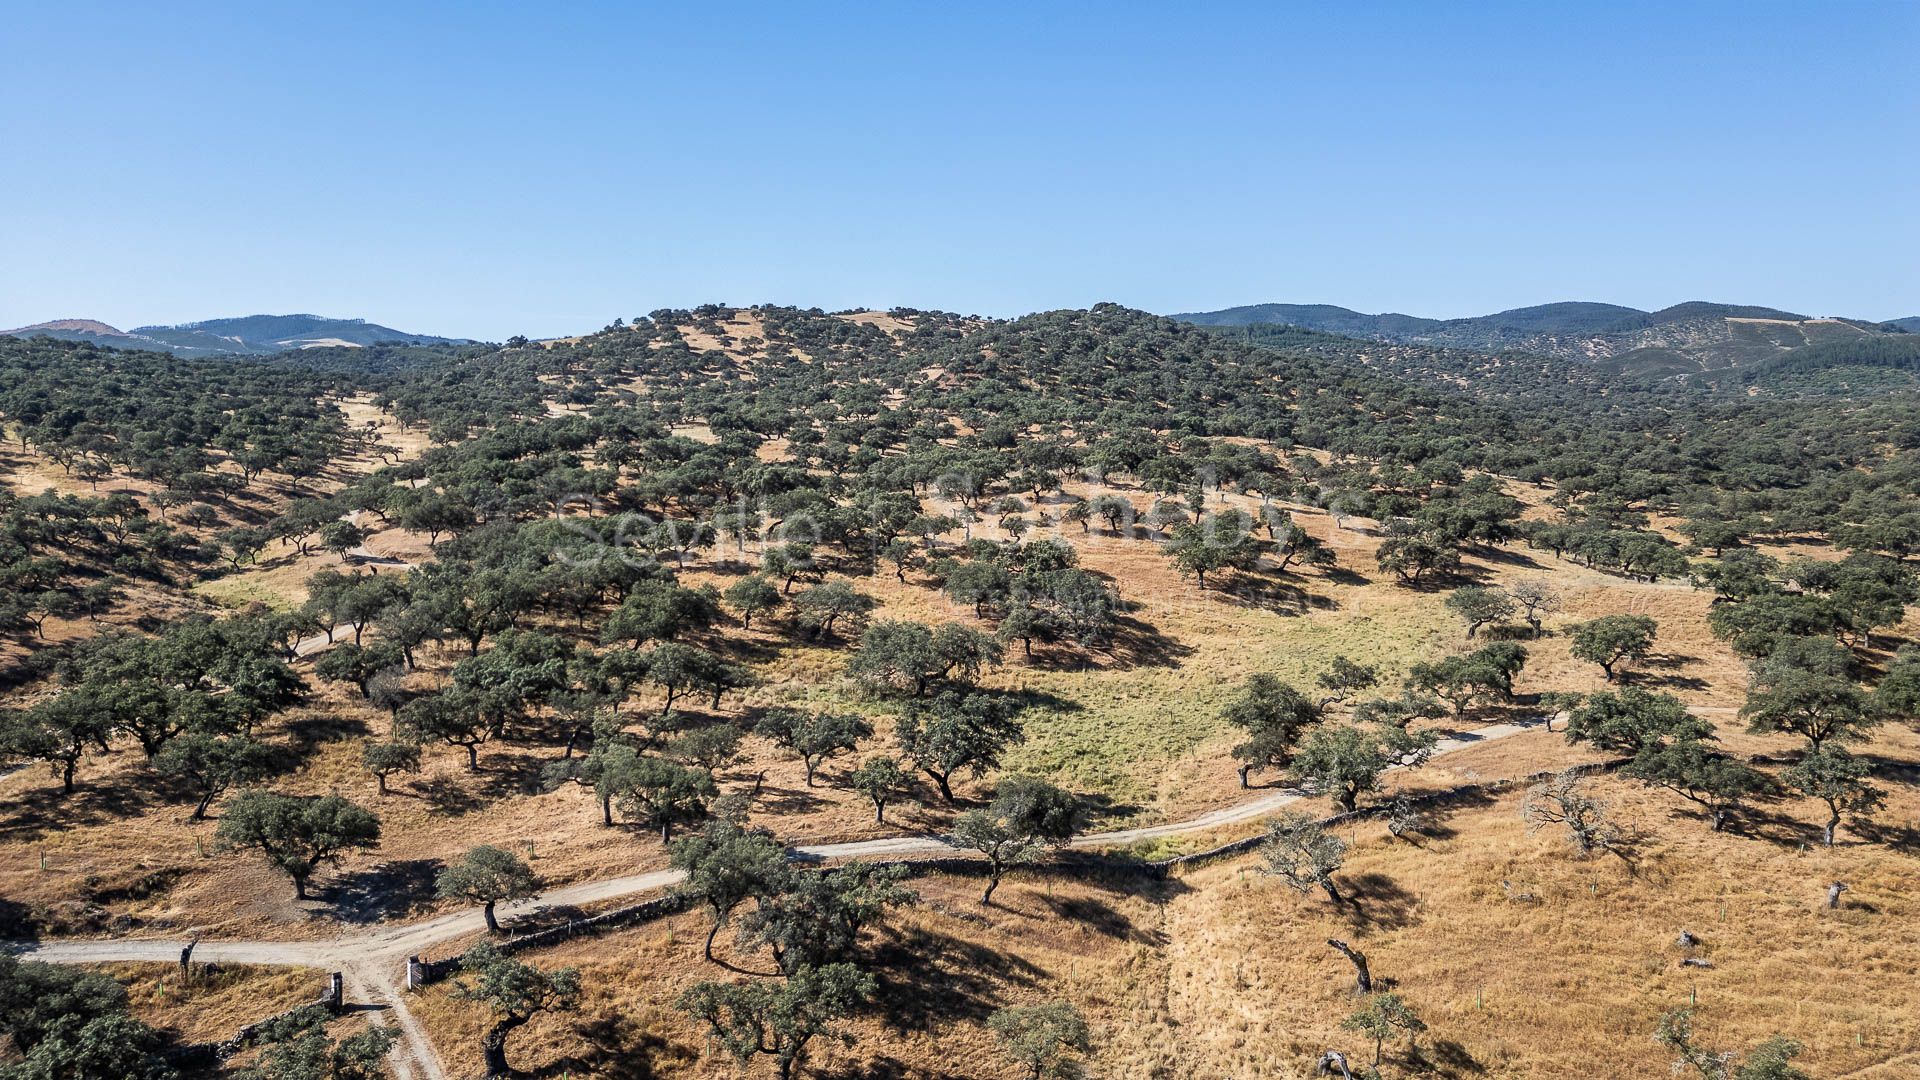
(250, 335)
(1689, 337)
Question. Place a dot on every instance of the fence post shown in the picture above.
(336, 992)
(414, 976)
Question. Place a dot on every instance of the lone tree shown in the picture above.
(515, 992)
(58, 732)
(1478, 606)
(1818, 706)
(397, 755)
(1045, 1040)
(1028, 817)
(814, 736)
(1347, 761)
(210, 764)
(1343, 679)
(296, 833)
(750, 596)
(1632, 721)
(486, 876)
(726, 866)
(881, 780)
(1613, 641)
(1840, 780)
(1715, 782)
(662, 794)
(1362, 974)
(910, 656)
(1385, 1018)
(955, 731)
(1559, 800)
(1535, 598)
(779, 1018)
(1304, 853)
(1274, 715)
(820, 607)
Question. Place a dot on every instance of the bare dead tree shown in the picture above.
(1362, 978)
(1559, 801)
(1330, 1062)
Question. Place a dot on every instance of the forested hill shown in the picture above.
(251, 335)
(1689, 337)
(1122, 386)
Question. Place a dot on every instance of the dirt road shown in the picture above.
(373, 961)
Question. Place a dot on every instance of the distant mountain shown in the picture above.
(1910, 324)
(250, 335)
(1689, 337)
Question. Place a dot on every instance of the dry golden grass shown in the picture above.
(215, 1004)
(1224, 972)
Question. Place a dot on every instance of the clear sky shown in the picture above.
(484, 169)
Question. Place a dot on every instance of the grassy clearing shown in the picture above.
(216, 1002)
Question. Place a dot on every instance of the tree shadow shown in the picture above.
(1136, 644)
(889, 1068)
(389, 890)
(928, 979)
(513, 773)
(1886, 768)
(117, 798)
(308, 733)
(1100, 806)
(1103, 919)
(782, 800)
(1436, 814)
(1899, 836)
(17, 923)
(1445, 1057)
(1507, 557)
(447, 797)
(619, 1047)
(1377, 902)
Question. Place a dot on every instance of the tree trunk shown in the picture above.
(493, 924)
(1332, 891)
(200, 814)
(993, 882)
(473, 757)
(381, 780)
(300, 888)
(494, 1046)
(712, 933)
(1833, 893)
(1244, 770)
(1363, 978)
(946, 791)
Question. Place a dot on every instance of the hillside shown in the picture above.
(1075, 592)
(1689, 337)
(251, 335)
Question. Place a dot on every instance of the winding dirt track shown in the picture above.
(373, 961)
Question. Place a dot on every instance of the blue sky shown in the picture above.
(489, 169)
